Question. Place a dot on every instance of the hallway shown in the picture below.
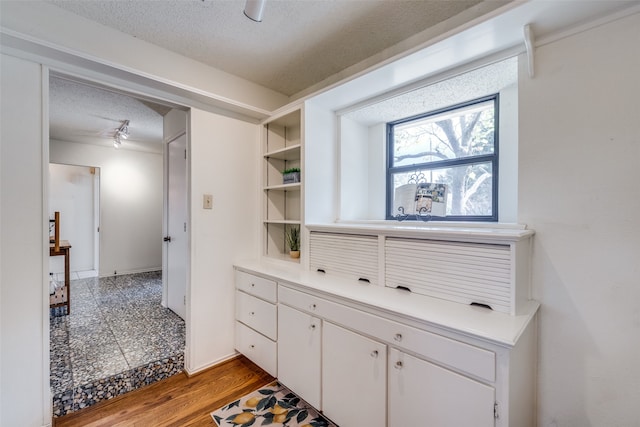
(118, 338)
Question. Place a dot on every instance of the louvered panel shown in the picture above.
(460, 272)
(345, 255)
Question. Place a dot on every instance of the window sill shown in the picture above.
(498, 233)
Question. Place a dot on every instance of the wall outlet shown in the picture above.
(207, 201)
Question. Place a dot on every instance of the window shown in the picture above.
(456, 146)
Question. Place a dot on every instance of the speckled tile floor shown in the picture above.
(117, 338)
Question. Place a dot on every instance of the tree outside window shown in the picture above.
(456, 146)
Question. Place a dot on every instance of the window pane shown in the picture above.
(469, 189)
(463, 132)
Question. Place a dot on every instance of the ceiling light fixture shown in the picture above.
(121, 133)
(254, 9)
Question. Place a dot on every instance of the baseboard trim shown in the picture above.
(193, 372)
(142, 270)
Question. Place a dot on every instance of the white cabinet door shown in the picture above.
(421, 393)
(299, 340)
(354, 379)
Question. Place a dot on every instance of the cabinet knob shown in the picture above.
(398, 365)
(252, 313)
(398, 337)
(313, 326)
(312, 306)
(252, 346)
(253, 285)
(374, 354)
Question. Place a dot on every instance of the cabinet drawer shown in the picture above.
(257, 348)
(256, 285)
(455, 354)
(257, 314)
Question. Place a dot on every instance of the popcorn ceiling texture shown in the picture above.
(298, 43)
(474, 84)
(84, 114)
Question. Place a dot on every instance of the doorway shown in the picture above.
(123, 334)
(75, 190)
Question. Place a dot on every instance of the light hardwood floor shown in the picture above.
(178, 401)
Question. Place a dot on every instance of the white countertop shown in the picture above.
(482, 323)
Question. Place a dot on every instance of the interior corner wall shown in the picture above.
(24, 349)
(222, 164)
(578, 189)
(131, 203)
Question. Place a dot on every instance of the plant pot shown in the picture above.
(294, 254)
(290, 178)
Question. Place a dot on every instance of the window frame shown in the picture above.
(440, 164)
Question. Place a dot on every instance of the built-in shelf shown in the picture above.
(284, 187)
(282, 206)
(287, 153)
(282, 221)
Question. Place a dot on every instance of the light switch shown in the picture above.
(207, 201)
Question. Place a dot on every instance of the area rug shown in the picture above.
(273, 404)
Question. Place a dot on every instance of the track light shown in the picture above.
(121, 133)
(253, 9)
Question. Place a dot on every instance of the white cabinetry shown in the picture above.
(353, 370)
(256, 324)
(408, 359)
(422, 393)
(299, 347)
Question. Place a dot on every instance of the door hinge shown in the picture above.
(496, 413)
(184, 300)
(185, 226)
(185, 154)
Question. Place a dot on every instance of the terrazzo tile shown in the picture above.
(63, 402)
(103, 389)
(156, 371)
(117, 338)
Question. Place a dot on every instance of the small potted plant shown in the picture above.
(291, 175)
(292, 237)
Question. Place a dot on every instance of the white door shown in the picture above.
(421, 393)
(176, 239)
(354, 368)
(299, 340)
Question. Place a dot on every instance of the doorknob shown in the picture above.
(167, 239)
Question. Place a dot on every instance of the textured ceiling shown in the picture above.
(470, 85)
(86, 114)
(298, 44)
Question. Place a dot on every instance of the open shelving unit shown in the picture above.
(282, 207)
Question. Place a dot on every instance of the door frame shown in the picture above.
(128, 87)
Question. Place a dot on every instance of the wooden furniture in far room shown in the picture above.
(62, 296)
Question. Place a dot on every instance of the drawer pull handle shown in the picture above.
(312, 306)
(374, 354)
(398, 365)
(398, 337)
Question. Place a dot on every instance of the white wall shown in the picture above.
(579, 172)
(131, 200)
(24, 328)
(71, 192)
(222, 163)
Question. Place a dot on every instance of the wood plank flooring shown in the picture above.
(178, 401)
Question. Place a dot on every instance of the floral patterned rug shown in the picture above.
(273, 404)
